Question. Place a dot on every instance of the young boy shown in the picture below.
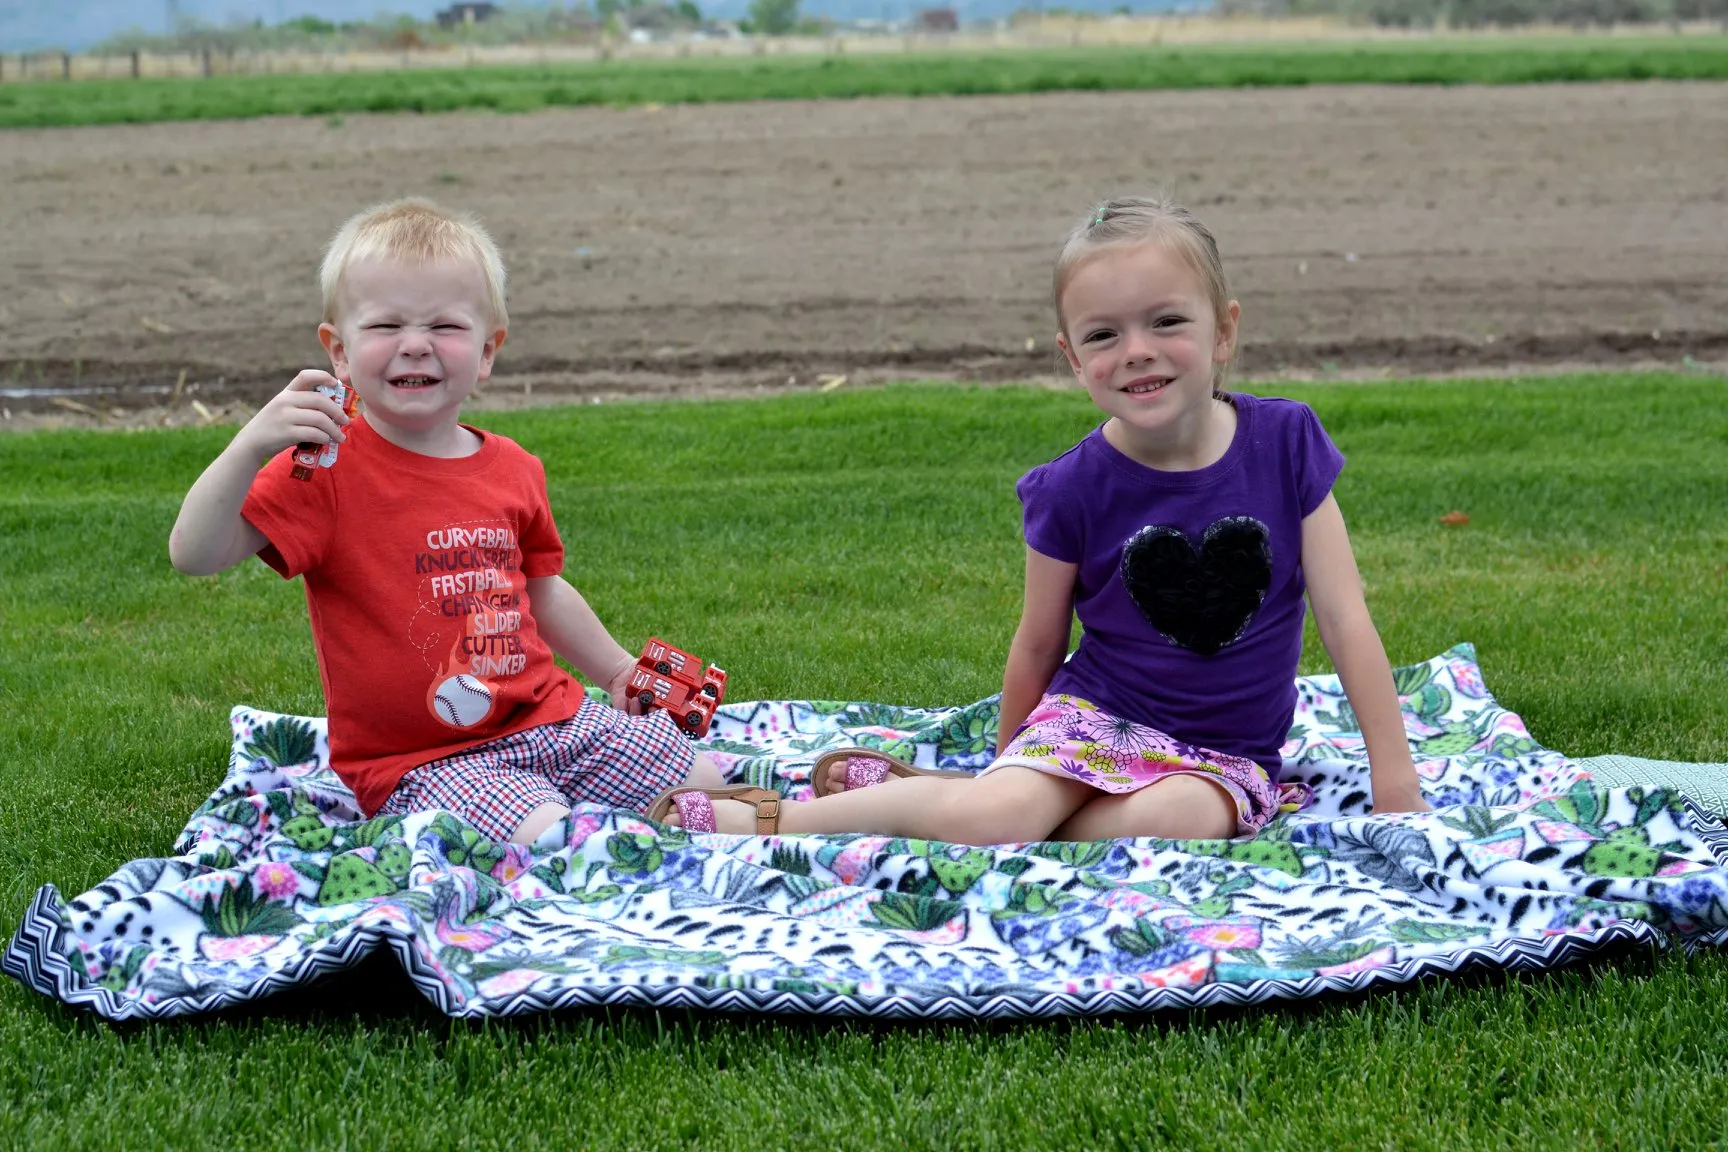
(429, 552)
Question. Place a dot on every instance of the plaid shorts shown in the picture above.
(598, 756)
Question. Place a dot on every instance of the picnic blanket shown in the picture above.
(277, 880)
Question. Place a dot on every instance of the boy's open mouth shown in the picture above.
(413, 382)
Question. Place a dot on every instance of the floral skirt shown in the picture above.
(1068, 736)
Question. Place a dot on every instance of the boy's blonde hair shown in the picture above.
(1130, 220)
(413, 231)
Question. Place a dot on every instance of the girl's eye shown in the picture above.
(447, 327)
(1169, 321)
(382, 327)
(1101, 334)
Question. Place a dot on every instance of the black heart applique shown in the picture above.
(1201, 599)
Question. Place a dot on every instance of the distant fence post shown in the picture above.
(65, 65)
(204, 62)
(137, 65)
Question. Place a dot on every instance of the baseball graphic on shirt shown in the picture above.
(462, 701)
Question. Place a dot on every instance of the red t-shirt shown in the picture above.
(416, 579)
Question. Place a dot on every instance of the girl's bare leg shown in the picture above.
(1008, 806)
(1175, 808)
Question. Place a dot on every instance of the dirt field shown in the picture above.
(738, 248)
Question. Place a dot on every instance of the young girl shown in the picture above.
(1183, 531)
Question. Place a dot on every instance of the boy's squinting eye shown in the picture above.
(1101, 334)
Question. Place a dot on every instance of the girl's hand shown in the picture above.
(1399, 797)
(296, 415)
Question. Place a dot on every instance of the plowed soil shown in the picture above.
(709, 250)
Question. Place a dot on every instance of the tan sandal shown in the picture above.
(865, 767)
(696, 806)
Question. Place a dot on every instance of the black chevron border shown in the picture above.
(1709, 828)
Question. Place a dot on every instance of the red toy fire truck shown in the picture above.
(309, 456)
(670, 678)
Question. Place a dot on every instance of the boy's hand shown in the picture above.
(296, 415)
(210, 534)
(617, 685)
(1399, 797)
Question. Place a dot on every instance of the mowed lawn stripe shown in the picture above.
(1483, 60)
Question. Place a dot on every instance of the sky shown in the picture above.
(73, 25)
(76, 24)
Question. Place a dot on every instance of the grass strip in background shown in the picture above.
(1509, 60)
(866, 545)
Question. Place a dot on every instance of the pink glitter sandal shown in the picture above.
(864, 769)
(696, 806)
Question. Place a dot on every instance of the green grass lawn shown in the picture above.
(865, 545)
(1509, 60)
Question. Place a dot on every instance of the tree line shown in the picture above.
(550, 23)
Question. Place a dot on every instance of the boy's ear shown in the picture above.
(1227, 327)
(489, 351)
(337, 351)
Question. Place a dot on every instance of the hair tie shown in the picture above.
(1099, 219)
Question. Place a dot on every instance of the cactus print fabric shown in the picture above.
(276, 880)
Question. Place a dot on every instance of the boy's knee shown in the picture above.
(536, 822)
(704, 773)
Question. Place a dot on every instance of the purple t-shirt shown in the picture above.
(1189, 588)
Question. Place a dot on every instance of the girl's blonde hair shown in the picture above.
(413, 231)
(1129, 220)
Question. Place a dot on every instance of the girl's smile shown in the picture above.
(1141, 334)
(1146, 385)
